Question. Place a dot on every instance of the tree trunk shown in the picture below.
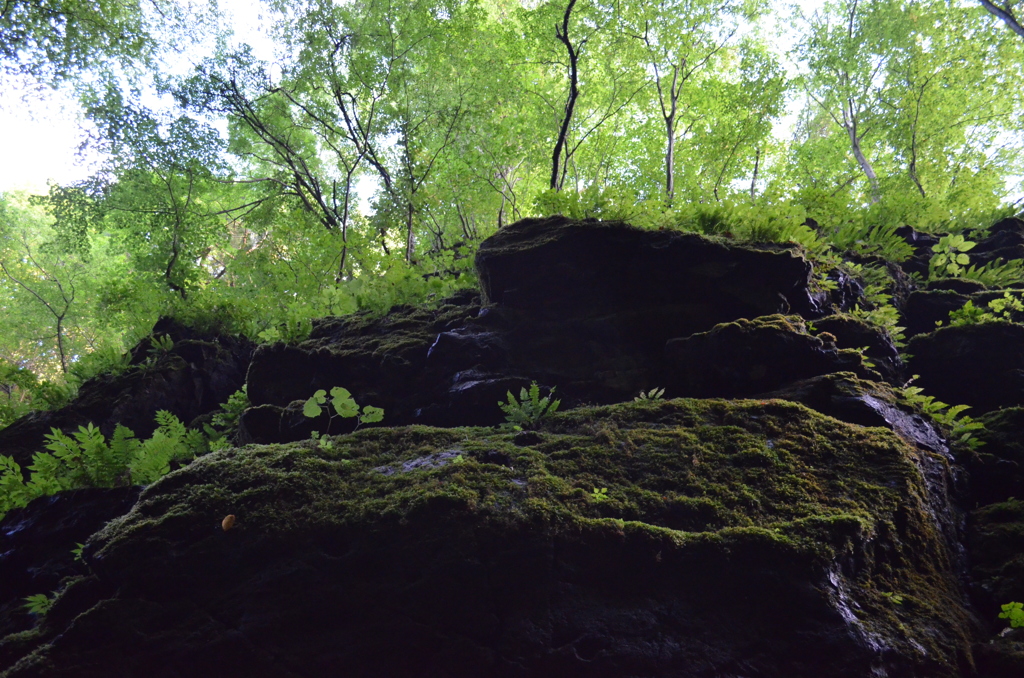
(409, 241)
(670, 156)
(60, 344)
(869, 172)
(753, 180)
(562, 33)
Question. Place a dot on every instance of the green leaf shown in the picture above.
(311, 408)
(371, 415)
(340, 393)
(345, 406)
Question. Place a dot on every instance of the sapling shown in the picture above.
(344, 406)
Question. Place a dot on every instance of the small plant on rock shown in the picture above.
(1014, 612)
(225, 422)
(527, 412)
(344, 406)
(949, 259)
(653, 394)
(1005, 308)
(39, 604)
(161, 345)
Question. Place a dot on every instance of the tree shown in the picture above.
(891, 75)
(573, 70)
(847, 51)
(51, 39)
(681, 41)
(46, 322)
(1005, 13)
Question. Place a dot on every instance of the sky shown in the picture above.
(41, 131)
(39, 138)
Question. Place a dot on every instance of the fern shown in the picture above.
(13, 491)
(169, 443)
(866, 239)
(527, 412)
(1006, 308)
(996, 274)
(46, 477)
(38, 604)
(230, 412)
(961, 426)
(86, 459)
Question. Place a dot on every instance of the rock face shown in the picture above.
(558, 268)
(818, 527)
(36, 544)
(977, 365)
(588, 307)
(728, 536)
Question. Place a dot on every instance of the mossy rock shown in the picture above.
(676, 538)
(744, 358)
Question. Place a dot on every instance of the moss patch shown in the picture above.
(744, 495)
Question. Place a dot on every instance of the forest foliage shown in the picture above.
(362, 164)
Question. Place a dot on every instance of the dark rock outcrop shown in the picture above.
(685, 538)
(36, 544)
(925, 309)
(878, 347)
(586, 307)
(732, 538)
(746, 357)
(558, 268)
(977, 365)
(931, 308)
(1005, 241)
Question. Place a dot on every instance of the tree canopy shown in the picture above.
(360, 166)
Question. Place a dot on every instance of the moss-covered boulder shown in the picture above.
(747, 357)
(980, 365)
(678, 538)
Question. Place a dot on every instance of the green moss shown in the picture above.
(769, 481)
(392, 336)
(694, 466)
